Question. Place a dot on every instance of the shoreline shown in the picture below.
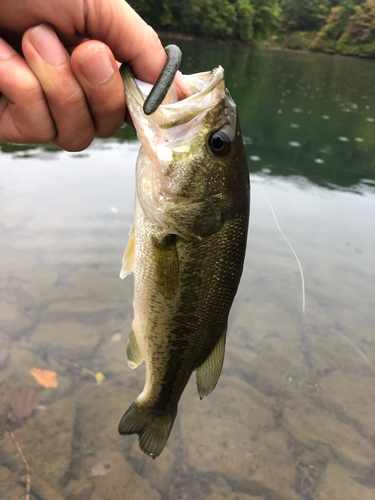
(270, 44)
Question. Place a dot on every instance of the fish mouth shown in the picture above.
(170, 134)
(207, 88)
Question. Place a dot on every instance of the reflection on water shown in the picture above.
(293, 414)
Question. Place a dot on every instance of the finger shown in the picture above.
(24, 114)
(13, 40)
(113, 22)
(96, 70)
(131, 40)
(50, 62)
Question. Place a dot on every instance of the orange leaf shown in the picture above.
(46, 378)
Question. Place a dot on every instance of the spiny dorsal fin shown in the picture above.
(153, 428)
(166, 264)
(208, 372)
(132, 351)
(128, 258)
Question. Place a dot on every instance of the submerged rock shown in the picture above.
(352, 397)
(71, 340)
(338, 485)
(318, 430)
(121, 481)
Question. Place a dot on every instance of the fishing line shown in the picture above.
(357, 349)
(292, 249)
(343, 337)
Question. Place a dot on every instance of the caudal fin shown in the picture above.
(153, 428)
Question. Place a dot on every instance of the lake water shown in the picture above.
(293, 415)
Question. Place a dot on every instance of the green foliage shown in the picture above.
(245, 17)
(266, 19)
(213, 21)
(304, 15)
(245, 20)
(344, 26)
(297, 40)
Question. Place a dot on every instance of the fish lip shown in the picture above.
(217, 75)
(195, 101)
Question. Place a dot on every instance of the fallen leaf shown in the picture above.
(46, 378)
(99, 377)
(24, 401)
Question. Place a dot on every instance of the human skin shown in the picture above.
(59, 76)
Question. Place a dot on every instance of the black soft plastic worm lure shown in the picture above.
(163, 83)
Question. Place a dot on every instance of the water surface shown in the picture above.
(293, 414)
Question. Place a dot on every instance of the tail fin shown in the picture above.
(153, 428)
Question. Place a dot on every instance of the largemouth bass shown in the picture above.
(186, 248)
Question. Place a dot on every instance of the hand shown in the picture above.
(67, 87)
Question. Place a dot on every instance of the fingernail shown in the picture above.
(48, 45)
(5, 50)
(98, 68)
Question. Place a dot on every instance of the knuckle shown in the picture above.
(32, 93)
(153, 38)
(25, 123)
(74, 99)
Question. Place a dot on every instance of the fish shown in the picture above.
(186, 248)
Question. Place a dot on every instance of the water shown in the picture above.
(293, 414)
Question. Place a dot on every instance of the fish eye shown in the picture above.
(219, 143)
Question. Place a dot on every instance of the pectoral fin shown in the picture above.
(132, 351)
(128, 258)
(166, 263)
(208, 372)
(198, 219)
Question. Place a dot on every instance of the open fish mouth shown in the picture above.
(175, 134)
(207, 90)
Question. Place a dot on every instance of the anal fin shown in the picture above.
(132, 351)
(208, 372)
